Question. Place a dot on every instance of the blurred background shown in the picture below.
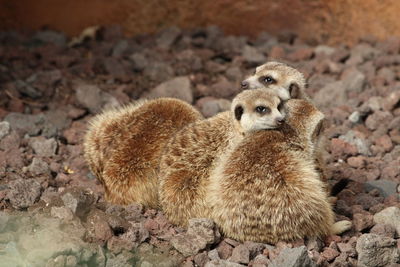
(338, 21)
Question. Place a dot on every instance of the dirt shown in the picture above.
(53, 208)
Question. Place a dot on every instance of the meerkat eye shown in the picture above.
(269, 80)
(238, 112)
(263, 110)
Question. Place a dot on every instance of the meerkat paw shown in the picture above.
(341, 227)
(333, 200)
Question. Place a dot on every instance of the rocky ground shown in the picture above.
(52, 208)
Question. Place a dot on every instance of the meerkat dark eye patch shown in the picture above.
(262, 109)
(294, 91)
(238, 112)
(281, 106)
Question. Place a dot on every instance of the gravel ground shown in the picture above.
(52, 208)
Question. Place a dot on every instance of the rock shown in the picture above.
(98, 226)
(168, 37)
(54, 122)
(383, 229)
(355, 117)
(254, 248)
(292, 257)
(378, 118)
(240, 254)
(201, 259)
(223, 88)
(74, 134)
(119, 49)
(362, 221)
(62, 213)
(224, 250)
(212, 254)
(114, 67)
(261, 260)
(389, 216)
(222, 263)
(324, 49)
(26, 89)
(332, 94)
(330, 254)
(4, 129)
(158, 71)
(179, 87)
(23, 193)
(385, 187)
(357, 162)
(89, 96)
(49, 36)
(347, 248)
(376, 250)
(353, 80)
(44, 147)
(139, 61)
(201, 233)
(253, 56)
(358, 140)
(38, 167)
(384, 142)
(303, 53)
(25, 123)
(78, 200)
(365, 200)
(210, 106)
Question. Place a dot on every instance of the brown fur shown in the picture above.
(123, 147)
(261, 186)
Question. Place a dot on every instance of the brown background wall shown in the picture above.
(331, 21)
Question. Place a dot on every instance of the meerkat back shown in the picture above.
(123, 147)
(267, 189)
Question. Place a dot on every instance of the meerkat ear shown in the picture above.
(238, 112)
(294, 91)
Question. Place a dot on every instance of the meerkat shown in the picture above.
(268, 189)
(286, 81)
(123, 146)
(191, 154)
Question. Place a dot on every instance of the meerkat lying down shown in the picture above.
(255, 177)
(123, 147)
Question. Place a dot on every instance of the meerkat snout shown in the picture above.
(258, 109)
(286, 81)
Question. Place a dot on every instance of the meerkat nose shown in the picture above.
(280, 120)
(244, 84)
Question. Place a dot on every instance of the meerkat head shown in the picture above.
(286, 81)
(257, 109)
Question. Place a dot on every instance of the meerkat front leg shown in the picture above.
(341, 227)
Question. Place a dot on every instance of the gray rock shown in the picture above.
(23, 192)
(253, 56)
(355, 117)
(4, 129)
(210, 106)
(49, 36)
(376, 250)
(139, 61)
(324, 49)
(212, 254)
(390, 216)
(222, 263)
(385, 187)
(158, 71)
(201, 259)
(179, 87)
(27, 89)
(25, 123)
(43, 147)
(78, 200)
(361, 144)
(201, 233)
(240, 254)
(89, 96)
(168, 37)
(353, 80)
(293, 257)
(332, 94)
(261, 260)
(62, 213)
(119, 49)
(38, 167)
(54, 122)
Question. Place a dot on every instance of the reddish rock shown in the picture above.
(301, 54)
(356, 162)
(224, 250)
(362, 221)
(383, 229)
(341, 148)
(385, 142)
(240, 254)
(276, 53)
(330, 254)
